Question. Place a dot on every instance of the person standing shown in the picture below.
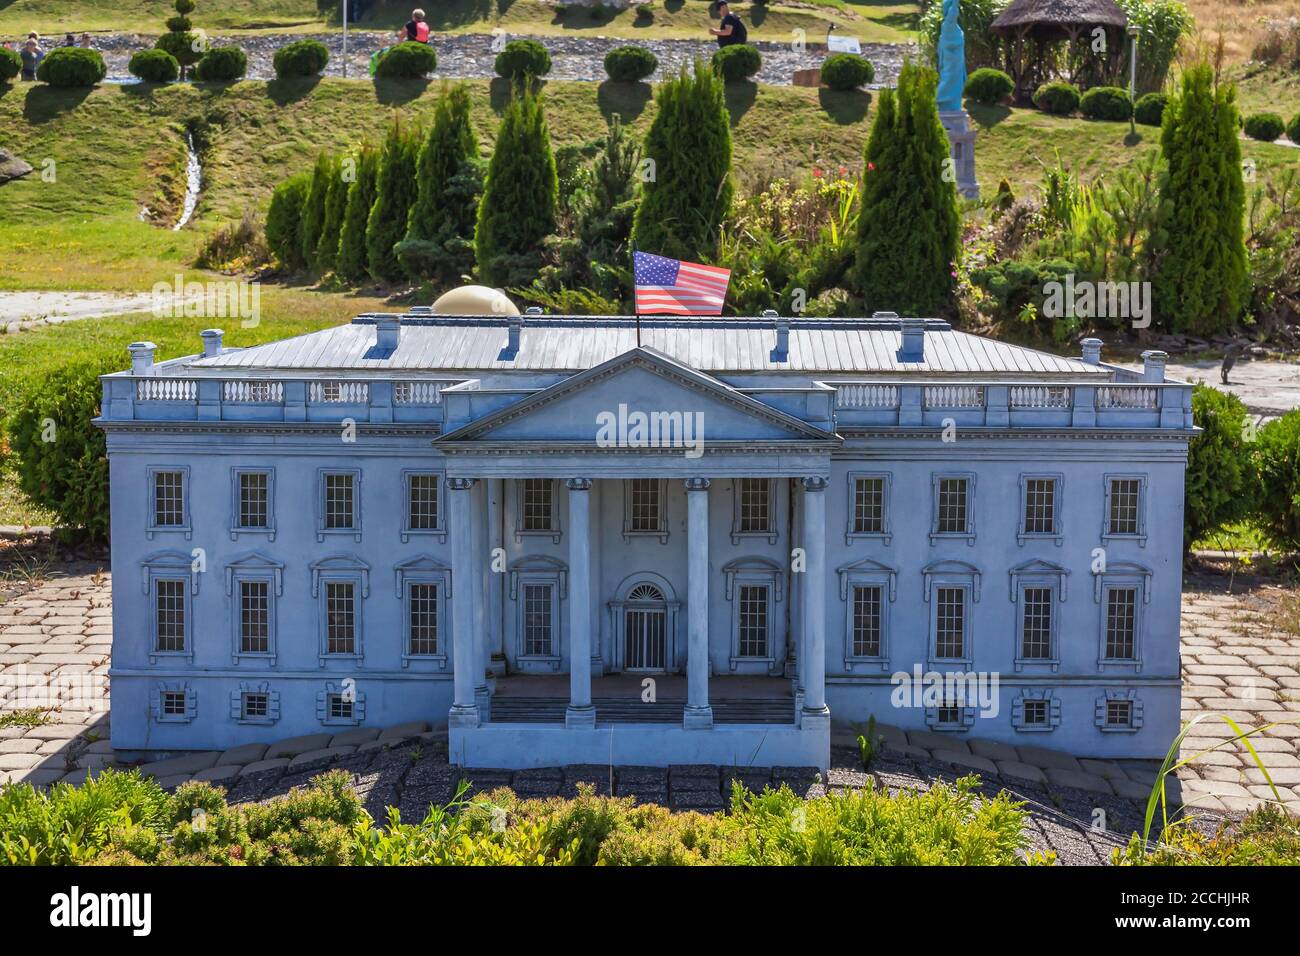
(730, 30)
(32, 55)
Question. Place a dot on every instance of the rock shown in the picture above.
(11, 167)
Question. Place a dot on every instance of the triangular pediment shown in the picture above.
(639, 399)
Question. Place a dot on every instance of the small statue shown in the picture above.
(952, 59)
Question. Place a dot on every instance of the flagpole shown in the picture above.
(635, 314)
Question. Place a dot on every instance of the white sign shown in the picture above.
(842, 44)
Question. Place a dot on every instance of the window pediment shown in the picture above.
(754, 567)
(339, 565)
(255, 562)
(867, 569)
(952, 572)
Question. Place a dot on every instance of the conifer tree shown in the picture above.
(519, 196)
(1202, 273)
(313, 209)
(336, 204)
(394, 195)
(351, 262)
(689, 190)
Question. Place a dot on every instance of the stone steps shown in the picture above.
(547, 710)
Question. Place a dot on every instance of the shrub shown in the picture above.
(682, 208)
(846, 71)
(1059, 98)
(186, 48)
(1150, 108)
(312, 225)
(154, 66)
(221, 65)
(1219, 482)
(740, 61)
(60, 457)
(1264, 127)
(988, 86)
(71, 66)
(1267, 836)
(630, 64)
(336, 204)
(1277, 467)
(395, 191)
(1106, 103)
(522, 58)
(284, 220)
(409, 60)
(235, 247)
(11, 64)
(350, 263)
(645, 13)
(1162, 24)
(300, 58)
(1293, 129)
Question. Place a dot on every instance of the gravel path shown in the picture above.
(471, 55)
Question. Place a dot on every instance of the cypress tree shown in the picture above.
(313, 209)
(519, 196)
(1202, 274)
(689, 194)
(439, 243)
(284, 220)
(351, 262)
(910, 229)
(336, 204)
(394, 194)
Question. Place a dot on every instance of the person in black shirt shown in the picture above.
(731, 29)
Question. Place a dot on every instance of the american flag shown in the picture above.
(678, 288)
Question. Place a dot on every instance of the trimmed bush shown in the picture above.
(1277, 467)
(1060, 99)
(312, 227)
(351, 261)
(988, 86)
(847, 71)
(71, 66)
(221, 65)
(1264, 127)
(300, 58)
(522, 58)
(408, 61)
(284, 220)
(186, 47)
(154, 66)
(1219, 479)
(1150, 109)
(630, 64)
(58, 455)
(1293, 129)
(740, 61)
(11, 64)
(1106, 103)
(395, 192)
(645, 13)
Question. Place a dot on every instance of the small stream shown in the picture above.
(193, 182)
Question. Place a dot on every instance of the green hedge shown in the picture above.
(522, 58)
(71, 66)
(284, 220)
(1058, 98)
(630, 64)
(740, 61)
(409, 60)
(11, 64)
(1106, 103)
(154, 66)
(300, 58)
(1293, 129)
(1219, 476)
(1150, 109)
(847, 71)
(1264, 127)
(988, 86)
(1277, 470)
(221, 65)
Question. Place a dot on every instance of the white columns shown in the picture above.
(464, 712)
(812, 668)
(698, 714)
(496, 576)
(478, 531)
(580, 712)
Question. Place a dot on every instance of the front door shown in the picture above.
(644, 630)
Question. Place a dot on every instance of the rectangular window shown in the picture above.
(1036, 621)
(538, 504)
(645, 506)
(423, 624)
(340, 501)
(254, 499)
(1040, 506)
(1035, 713)
(949, 715)
(866, 621)
(169, 608)
(340, 617)
(752, 632)
(952, 506)
(538, 618)
(254, 706)
(869, 506)
(950, 623)
(1125, 502)
(755, 505)
(1121, 615)
(422, 502)
(172, 703)
(168, 499)
(1119, 713)
(340, 707)
(254, 617)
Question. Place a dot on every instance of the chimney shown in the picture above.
(387, 331)
(782, 349)
(1092, 351)
(141, 357)
(211, 342)
(1153, 366)
(913, 349)
(515, 324)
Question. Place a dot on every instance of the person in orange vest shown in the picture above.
(416, 28)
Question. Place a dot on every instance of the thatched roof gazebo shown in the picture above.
(1079, 40)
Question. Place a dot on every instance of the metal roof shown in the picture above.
(714, 345)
